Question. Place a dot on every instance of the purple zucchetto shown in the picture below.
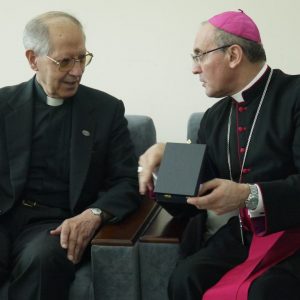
(237, 23)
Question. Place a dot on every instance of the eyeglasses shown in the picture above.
(198, 58)
(67, 64)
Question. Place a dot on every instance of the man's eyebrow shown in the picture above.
(197, 51)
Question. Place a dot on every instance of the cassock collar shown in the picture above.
(54, 101)
(253, 89)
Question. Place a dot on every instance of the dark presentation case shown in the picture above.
(179, 176)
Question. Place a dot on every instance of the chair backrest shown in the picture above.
(193, 126)
(142, 132)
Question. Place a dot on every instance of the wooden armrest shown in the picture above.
(164, 229)
(127, 232)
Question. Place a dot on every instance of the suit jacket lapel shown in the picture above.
(18, 125)
(83, 124)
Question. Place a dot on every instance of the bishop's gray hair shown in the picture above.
(255, 52)
(36, 32)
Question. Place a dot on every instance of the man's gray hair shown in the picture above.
(255, 52)
(36, 32)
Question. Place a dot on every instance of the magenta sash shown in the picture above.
(265, 251)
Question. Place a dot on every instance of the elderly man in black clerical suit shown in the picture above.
(67, 163)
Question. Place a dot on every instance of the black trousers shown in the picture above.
(34, 262)
(198, 272)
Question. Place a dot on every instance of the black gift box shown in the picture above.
(179, 175)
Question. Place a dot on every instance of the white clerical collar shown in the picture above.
(238, 97)
(54, 101)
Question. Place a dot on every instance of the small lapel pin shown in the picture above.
(85, 132)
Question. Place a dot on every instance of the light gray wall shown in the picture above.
(142, 49)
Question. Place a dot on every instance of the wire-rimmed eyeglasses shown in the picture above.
(67, 64)
(198, 58)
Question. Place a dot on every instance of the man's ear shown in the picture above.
(235, 53)
(32, 59)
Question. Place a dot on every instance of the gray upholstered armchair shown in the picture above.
(113, 271)
(115, 251)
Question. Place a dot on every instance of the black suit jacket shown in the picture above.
(102, 161)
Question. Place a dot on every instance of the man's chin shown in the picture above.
(68, 93)
(213, 94)
(209, 93)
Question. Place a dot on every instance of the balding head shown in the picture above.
(36, 35)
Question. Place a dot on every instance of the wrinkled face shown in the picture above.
(212, 68)
(67, 41)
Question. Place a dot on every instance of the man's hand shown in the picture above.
(75, 233)
(148, 162)
(221, 196)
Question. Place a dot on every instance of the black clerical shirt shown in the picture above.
(48, 176)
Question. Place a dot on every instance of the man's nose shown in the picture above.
(77, 69)
(196, 69)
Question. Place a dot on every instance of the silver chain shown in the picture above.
(247, 146)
